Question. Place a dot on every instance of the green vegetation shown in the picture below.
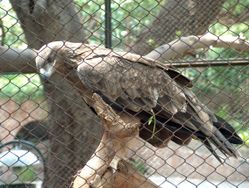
(140, 165)
(152, 120)
(129, 19)
(19, 87)
(236, 121)
(14, 35)
(26, 174)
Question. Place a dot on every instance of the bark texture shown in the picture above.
(74, 133)
(127, 177)
(17, 60)
(119, 131)
(44, 21)
(74, 130)
(177, 17)
(189, 44)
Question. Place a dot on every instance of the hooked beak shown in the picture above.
(46, 74)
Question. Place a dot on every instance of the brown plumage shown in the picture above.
(140, 87)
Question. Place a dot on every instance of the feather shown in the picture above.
(228, 131)
(138, 85)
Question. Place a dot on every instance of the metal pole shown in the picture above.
(108, 24)
(208, 63)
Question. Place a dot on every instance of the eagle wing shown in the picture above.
(133, 85)
(138, 84)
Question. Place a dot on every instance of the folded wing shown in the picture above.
(144, 89)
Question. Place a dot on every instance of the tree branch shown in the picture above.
(126, 176)
(188, 45)
(17, 60)
(97, 164)
(117, 133)
(23, 61)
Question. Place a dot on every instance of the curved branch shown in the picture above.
(126, 176)
(118, 131)
(17, 60)
(188, 45)
(23, 61)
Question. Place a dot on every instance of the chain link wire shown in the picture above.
(165, 134)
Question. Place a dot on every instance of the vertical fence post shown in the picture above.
(108, 24)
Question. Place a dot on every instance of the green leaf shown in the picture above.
(150, 120)
(178, 33)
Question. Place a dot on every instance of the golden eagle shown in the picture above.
(159, 96)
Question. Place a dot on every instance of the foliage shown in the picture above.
(236, 7)
(139, 165)
(152, 122)
(129, 18)
(237, 122)
(20, 87)
(14, 35)
(26, 174)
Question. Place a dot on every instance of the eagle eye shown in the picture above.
(49, 59)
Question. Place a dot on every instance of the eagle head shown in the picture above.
(55, 57)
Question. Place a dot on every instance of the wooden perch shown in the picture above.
(188, 45)
(118, 131)
(114, 124)
(126, 176)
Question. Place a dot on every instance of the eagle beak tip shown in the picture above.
(45, 75)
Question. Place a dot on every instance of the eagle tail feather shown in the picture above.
(227, 130)
(210, 148)
(223, 144)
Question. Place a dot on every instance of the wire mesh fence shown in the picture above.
(165, 104)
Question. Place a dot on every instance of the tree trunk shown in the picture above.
(177, 17)
(75, 130)
(44, 21)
